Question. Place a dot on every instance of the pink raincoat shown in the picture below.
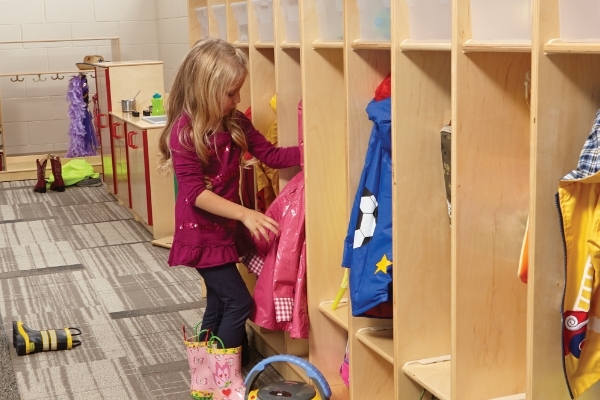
(280, 292)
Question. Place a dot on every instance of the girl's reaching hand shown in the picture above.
(259, 224)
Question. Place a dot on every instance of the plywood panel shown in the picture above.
(126, 81)
(490, 193)
(324, 122)
(289, 91)
(193, 24)
(421, 108)
(364, 71)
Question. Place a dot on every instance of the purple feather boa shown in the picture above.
(78, 112)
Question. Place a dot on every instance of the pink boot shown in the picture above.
(201, 386)
(226, 368)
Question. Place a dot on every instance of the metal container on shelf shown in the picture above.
(128, 105)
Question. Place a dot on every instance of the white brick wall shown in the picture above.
(173, 39)
(35, 113)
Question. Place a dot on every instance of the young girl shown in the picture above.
(203, 142)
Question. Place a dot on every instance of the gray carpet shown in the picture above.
(79, 259)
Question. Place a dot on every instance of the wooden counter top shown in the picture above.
(109, 64)
(136, 121)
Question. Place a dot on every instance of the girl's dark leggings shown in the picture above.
(228, 304)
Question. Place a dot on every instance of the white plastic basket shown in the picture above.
(331, 19)
(430, 20)
(263, 9)
(291, 15)
(221, 18)
(240, 13)
(501, 20)
(374, 19)
(202, 16)
(579, 20)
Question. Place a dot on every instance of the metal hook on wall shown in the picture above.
(57, 77)
(17, 79)
(39, 79)
(93, 76)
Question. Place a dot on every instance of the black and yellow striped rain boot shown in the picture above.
(29, 341)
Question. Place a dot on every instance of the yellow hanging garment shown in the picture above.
(267, 178)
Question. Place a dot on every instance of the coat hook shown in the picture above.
(57, 77)
(39, 79)
(17, 79)
(93, 76)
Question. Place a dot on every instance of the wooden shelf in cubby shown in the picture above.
(380, 340)
(264, 45)
(557, 46)
(290, 45)
(339, 315)
(323, 44)
(412, 45)
(366, 44)
(471, 46)
(432, 374)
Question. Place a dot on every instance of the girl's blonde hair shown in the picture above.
(209, 70)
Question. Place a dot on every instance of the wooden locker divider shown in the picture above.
(232, 38)
(213, 26)
(366, 64)
(490, 194)
(565, 99)
(261, 80)
(289, 90)
(263, 83)
(325, 169)
(193, 24)
(421, 76)
(232, 31)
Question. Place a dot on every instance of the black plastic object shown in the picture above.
(288, 389)
(29, 341)
(146, 113)
(135, 113)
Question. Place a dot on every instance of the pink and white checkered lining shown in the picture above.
(284, 307)
(254, 262)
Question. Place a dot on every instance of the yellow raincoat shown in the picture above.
(578, 201)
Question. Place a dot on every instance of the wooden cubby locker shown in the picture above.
(565, 99)
(460, 311)
(275, 69)
(367, 61)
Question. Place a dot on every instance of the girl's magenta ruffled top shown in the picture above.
(203, 239)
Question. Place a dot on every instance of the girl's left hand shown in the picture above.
(260, 225)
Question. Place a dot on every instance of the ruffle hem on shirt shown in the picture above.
(202, 256)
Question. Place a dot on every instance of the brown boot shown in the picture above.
(40, 186)
(58, 184)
